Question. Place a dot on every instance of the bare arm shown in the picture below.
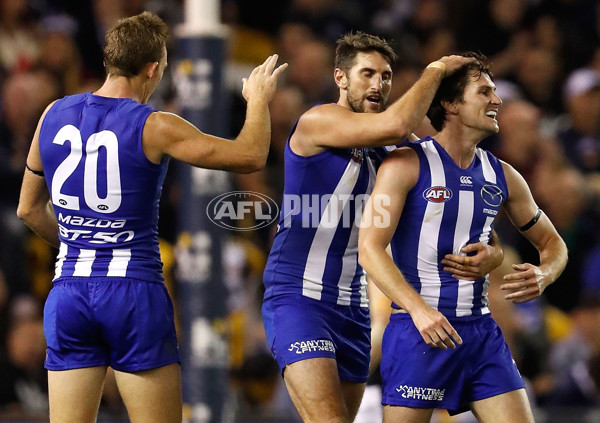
(34, 206)
(380, 308)
(331, 125)
(169, 134)
(396, 177)
(529, 281)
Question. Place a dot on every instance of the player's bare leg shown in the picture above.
(152, 395)
(394, 414)
(316, 391)
(75, 394)
(511, 407)
(353, 393)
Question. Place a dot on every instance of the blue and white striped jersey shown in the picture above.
(104, 190)
(448, 208)
(315, 250)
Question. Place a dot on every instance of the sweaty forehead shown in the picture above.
(371, 60)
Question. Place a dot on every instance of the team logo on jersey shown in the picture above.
(492, 195)
(466, 180)
(357, 155)
(242, 210)
(437, 194)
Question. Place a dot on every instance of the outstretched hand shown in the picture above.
(526, 283)
(263, 79)
(470, 268)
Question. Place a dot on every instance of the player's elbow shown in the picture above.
(563, 252)
(252, 164)
(259, 162)
(249, 155)
(25, 213)
(395, 128)
(402, 130)
(365, 252)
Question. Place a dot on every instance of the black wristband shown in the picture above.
(35, 172)
(533, 220)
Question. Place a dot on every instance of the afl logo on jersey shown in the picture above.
(357, 155)
(492, 195)
(437, 194)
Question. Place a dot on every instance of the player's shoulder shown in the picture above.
(158, 120)
(319, 112)
(487, 153)
(489, 157)
(314, 124)
(508, 169)
(402, 164)
(55, 108)
(161, 128)
(68, 101)
(402, 154)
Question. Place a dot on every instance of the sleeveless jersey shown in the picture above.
(448, 208)
(104, 190)
(315, 249)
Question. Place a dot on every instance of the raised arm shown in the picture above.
(331, 125)
(34, 206)
(396, 177)
(528, 281)
(169, 134)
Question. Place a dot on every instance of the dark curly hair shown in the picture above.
(452, 88)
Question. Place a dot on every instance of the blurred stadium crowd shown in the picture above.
(546, 64)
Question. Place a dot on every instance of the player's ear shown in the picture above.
(341, 80)
(150, 69)
(450, 107)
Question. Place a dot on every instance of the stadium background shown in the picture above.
(546, 62)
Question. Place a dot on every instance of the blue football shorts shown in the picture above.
(419, 376)
(299, 328)
(124, 323)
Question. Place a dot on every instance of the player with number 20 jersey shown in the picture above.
(91, 149)
(105, 194)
